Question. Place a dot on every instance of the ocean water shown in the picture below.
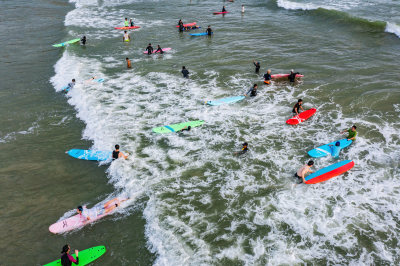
(192, 201)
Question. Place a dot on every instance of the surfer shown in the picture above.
(335, 149)
(83, 40)
(292, 75)
(70, 86)
(185, 72)
(252, 91)
(87, 214)
(352, 133)
(223, 9)
(126, 22)
(297, 107)
(267, 77)
(131, 23)
(128, 63)
(159, 50)
(149, 49)
(244, 149)
(66, 259)
(180, 22)
(126, 37)
(181, 27)
(303, 171)
(116, 154)
(187, 128)
(209, 30)
(242, 8)
(257, 65)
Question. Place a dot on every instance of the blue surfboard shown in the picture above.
(326, 150)
(99, 80)
(90, 155)
(226, 100)
(199, 34)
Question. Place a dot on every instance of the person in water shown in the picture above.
(131, 23)
(187, 128)
(83, 40)
(300, 174)
(181, 27)
(209, 30)
(257, 65)
(70, 86)
(297, 107)
(252, 91)
(244, 149)
(335, 149)
(292, 76)
(352, 133)
(88, 214)
(126, 22)
(128, 63)
(66, 258)
(116, 154)
(180, 22)
(159, 50)
(149, 49)
(185, 72)
(242, 8)
(267, 77)
(223, 9)
(126, 37)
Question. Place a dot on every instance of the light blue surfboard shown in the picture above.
(66, 89)
(326, 150)
(90, 155)
(199, 34)
(99, 80)
(226, 100)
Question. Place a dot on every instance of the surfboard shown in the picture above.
(329, 172)
(177, 127)
(279, 76)
(66, 43)
(199, 34)
(164, 50)
(226, 100)
(90, 155)
(187, 25)
(66, 89)
(301, 117)
(85, 256)
(127, 28)
(99, 80)
(217, 13)
(326, 150)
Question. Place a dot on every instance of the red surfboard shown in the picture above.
(301, 117)
(187, 25)
(279, 76)
(217, 13)
(329, 172)
(127, 28)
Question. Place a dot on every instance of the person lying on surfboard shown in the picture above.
(252, 91)
(292, 75)
(87, 214)
(244, 149)
(116, 154)
(149, 49)
(209, 30)
(267, 77)
(300, 174)
(352, 133)
(297, 107)
(159, 50)
(66, 259)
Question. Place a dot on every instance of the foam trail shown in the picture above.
(393, 28)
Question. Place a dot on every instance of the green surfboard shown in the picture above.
(65, 43)
(85, 256)
(177, 127)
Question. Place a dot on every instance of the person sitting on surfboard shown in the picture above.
(159, 50)
(252, 91)
(209, 30)
(267, 77)
(335, 149)
(126, 37)
(83, 40)
(66, 259)
(126, 22)
(352, 133)
(244, 149)
(149, 49)
(292, 76)
(116, 154)
(300, 174)
(70, 86)
(131, 22)
(128, 63)
(223, 9)
(297, 107)
(185, 72)
(257, 65)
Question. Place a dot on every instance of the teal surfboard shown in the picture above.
(199, 34)
(177, 127)
(326, 150)
(90, 155)
(85, 256)
(226, 100)
(66, 43)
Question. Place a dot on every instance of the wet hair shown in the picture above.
(255, 85)
(183, 67)
(209, 25)
(116, 146)
(310, 163)
(245, 144)
(65, 248)
(150, 44)
(124, 31)
(337, 143)
(126, 18)
(354, 127)
(299, 100)
(127, 58)
(73, 80)
(80, 208)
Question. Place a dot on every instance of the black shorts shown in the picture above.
(299, 178)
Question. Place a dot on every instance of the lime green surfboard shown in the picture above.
(177, 127)
(65, 43)
(85, 256)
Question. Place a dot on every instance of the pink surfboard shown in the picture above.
(217, 13)
(279, 76)
(187, 25)
(164, 50)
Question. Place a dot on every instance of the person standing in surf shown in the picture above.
(126, 37)
(126, 22)
(252, 91)
(149, 49)
(352, 133)
(128, 63)
(185, 72)
(116, 154)
(300, 174)
(66, 259)
(267, 77)
(159, 50)
(242, 9)
(292, 76)
(131, 23)
(83, 40)
(297, 107)
(223, 9)
(209, 30)
(257, 65)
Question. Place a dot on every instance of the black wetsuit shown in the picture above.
(223, 9)
(257, 65)
(65, 261)
(292, 76)
(267, 76)
(243, 151)
(296, 108)
(149, 49)
(83, 40)
(185, 73)
(159, 50)
(300, 180)
(181, 28)
(115, 155)
(209, 31)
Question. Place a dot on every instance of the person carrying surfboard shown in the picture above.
(297, 107)
(149, 49)
(66, 259)
(185, 72)
(126, 37)
(267, 77)
(300, 174)
(126, 22)
(292, 76)
(252, 91)
(257, 65)
(118, 154)
(352, 133)
(209, 30)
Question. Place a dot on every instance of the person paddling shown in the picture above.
(126, 22)
(252, 91)
(300, 174)
(159, 50)
(66, 258)
(267, 77)
(126, 37)
(116, 154)
(149, 49)
(297, 107)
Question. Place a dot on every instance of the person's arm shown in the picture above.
(123, 155)
(301, 107)
(75, 261)
(248, 91)
(295, 109)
